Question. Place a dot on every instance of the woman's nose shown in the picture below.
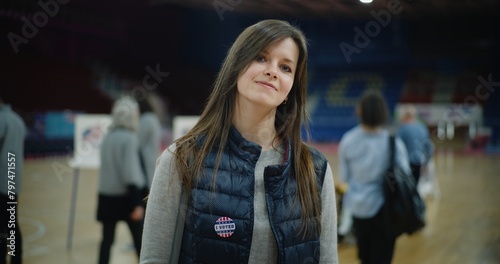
(271, 70)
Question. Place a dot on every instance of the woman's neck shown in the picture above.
(256, 125)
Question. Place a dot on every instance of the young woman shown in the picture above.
(241, 186)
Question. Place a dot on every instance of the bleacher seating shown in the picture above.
(333, 96)
(333, 99)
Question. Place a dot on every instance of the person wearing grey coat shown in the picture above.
(121, 178)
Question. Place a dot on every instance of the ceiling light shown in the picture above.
(366, 1)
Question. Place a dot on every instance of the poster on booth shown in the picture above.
(90, 130)
(458, 114)
(182, 124)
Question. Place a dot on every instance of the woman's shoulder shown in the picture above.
(167, 155)
(351, 135)
(315, 153)
(319, 159)
(165, 164)
(149, 117)
(122, 134)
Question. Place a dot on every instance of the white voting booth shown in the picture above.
(88, 136)
(182, 124)
(446, 117)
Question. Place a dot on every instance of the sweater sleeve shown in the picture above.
(328, 238)
(165, 214)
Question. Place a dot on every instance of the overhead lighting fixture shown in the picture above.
(366, 1)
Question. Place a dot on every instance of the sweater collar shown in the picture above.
(249, 150)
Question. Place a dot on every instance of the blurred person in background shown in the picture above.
(12, 134)
(149, 139)
(241, 186)
(345, 218)
(121, 178)
(416, 138)
(363, 160)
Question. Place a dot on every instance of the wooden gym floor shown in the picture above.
(463, 222)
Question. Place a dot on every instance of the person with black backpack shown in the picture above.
(363, 162)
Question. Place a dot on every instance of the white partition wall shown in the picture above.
(182, 124)
(89, 133)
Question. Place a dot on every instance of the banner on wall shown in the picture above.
(88, 136)
(458, 114)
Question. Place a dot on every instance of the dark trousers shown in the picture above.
(374, 240)
(108, 237)
(9, 225)
(415, 170)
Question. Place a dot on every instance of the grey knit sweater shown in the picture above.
(167, 203)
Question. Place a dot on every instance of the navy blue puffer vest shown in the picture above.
(234, 198)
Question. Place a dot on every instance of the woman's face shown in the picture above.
(269, 78)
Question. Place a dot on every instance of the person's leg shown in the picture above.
(363, 230)
(383, 240)
(108, 236)
(136, 232)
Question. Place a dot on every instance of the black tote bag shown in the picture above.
(405, 207)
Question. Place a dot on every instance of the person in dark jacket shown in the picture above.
(121, 179)
(241, 186)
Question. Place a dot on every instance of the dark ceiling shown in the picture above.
(414, 9)
(127, 35)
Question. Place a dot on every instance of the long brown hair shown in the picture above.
(215, 121)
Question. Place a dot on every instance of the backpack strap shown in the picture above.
(392, 151)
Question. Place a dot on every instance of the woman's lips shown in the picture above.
(270, 85)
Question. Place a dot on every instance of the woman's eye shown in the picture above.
(260, 58)
(286, 68)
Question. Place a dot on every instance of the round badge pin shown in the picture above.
(224, 227)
